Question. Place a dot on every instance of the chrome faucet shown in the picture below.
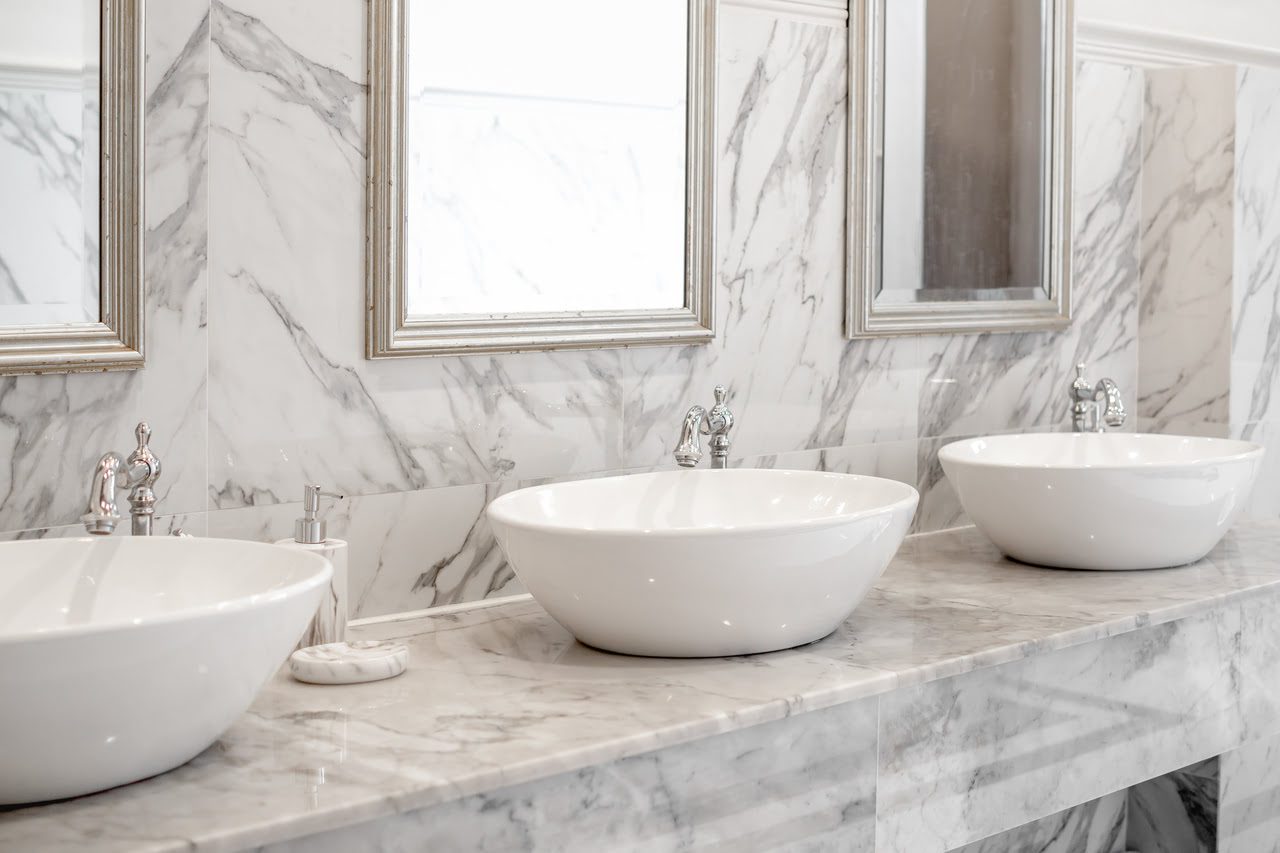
(1094, 408)
(698, 422)
(138, 473)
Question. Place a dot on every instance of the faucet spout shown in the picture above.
(138, 474)
(689, 450)
(1113, 412)
(1095, 407)
(716, 423)
(103, 515)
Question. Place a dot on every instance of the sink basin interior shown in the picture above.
(707, 501)
(1107, 501)
(61, 586)
(1095, 450)
(703, 563)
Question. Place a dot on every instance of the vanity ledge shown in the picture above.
(501, 695)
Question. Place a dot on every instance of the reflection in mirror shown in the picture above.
(555, 181)
(48, 162)
(963, 180)
(70, 201)
(534, 186)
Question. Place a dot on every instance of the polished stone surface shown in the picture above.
(502, 696)
(1188, 229)
(1176, 813)
(1249, 799)
(1098, 826)
(797, 784)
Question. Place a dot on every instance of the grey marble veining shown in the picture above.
(48, 167)
(1177, 812)
(1169, 663)
(1098, 826)
(795, 383)
(1249, 799)
(1037, 736)
(980, 384)
(800, 784)
(976, 384)
(53, 428)
(1188, 229)
(1255, 345)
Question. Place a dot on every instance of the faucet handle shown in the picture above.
(719, 420)
(142, 454)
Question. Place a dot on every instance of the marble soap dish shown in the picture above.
(349, 663)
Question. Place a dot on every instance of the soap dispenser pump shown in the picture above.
(311, 529)
(310, 533)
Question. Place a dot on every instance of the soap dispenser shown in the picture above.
(309, 534)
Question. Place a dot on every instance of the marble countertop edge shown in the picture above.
(500, 696)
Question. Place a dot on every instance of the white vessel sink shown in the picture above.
(123, 657)
(1103, 500)
(703, 563)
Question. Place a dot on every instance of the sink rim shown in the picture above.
(959, 451)
(240, 603)
(499, 510)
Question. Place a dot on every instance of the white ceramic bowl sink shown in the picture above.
(123, 657)
(703, 563)
(1103, 500)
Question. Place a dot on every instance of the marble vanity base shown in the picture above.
(797, 784)
(966, 698)
(1229, 804)
(1102, 748)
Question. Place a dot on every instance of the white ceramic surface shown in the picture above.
(1113, 501)
(123, 657)
(703, 563)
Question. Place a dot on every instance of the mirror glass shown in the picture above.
(964, 126)
(961, 168)
(49, 162)
(545, 157)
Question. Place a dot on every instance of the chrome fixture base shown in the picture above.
(1094, 408)
(138, 473)
(716, 423)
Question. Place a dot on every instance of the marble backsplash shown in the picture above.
(257, 383)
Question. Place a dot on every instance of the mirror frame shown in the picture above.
(115, 342)
(391, 333)
(863, 317)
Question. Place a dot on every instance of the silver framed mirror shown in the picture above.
(959, 166)
(433, 285)
(71, 112)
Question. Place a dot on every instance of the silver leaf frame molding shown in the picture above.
(863, 317)
(392, 333)
(115, 342)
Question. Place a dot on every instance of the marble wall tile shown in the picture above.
(814, 775)
(258, 382)
(1255, 345)
(1188, 189)
(961, 759)
(1176, 813)
(292, 397)
(1095, 827)
(53, 428)
(795, 383)
(407, 550)
(1249, 799)
(976, 384)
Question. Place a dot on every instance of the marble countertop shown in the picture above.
(501, 695)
